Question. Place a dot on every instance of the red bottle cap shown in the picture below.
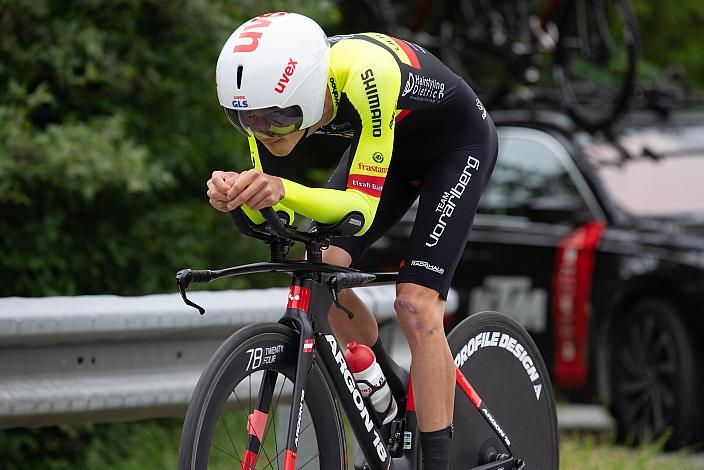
(359, 357)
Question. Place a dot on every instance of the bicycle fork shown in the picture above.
(299, 299)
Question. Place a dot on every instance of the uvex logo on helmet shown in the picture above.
(251, 38)
(288, 72)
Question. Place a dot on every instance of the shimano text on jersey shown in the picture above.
(373, 99)
(446, 206)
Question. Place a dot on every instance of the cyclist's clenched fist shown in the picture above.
(228, 190)
(255, 189)
(218, 186)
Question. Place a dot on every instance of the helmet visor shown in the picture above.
(266, 122)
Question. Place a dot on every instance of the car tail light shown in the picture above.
(571, 304)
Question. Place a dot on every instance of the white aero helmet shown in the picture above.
(271, 74)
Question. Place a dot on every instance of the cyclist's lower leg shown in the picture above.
(362, 328)
(420, 311)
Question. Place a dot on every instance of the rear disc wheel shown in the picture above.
(504, 366)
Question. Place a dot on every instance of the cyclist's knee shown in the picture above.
(337, 256)
(419, 311)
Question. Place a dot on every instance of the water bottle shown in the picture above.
(371, 381)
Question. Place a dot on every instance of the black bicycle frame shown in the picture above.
(309, 301)
(311, 295)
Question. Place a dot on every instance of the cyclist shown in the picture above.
(415, 129)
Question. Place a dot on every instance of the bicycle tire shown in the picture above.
(227, 368)
(523, 406)
(590, 119)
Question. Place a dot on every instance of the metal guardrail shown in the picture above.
(104, 358)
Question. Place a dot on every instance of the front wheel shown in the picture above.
(503, 364)
(238, 416)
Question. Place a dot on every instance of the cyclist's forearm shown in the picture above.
(329, 206)
(256, 216)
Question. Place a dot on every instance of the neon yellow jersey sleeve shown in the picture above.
(253, 215)
(370, 78)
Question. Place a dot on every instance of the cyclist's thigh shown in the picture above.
(448, 201)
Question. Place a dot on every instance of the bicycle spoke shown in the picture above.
(277, 459)
(272, 412)
(282, 450)
(309, 461)
(226, 452)
(227, 430)
(246, 417)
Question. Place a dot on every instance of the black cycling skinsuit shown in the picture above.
(443, 148)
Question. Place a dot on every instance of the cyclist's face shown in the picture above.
(264, 125)
(280, 146)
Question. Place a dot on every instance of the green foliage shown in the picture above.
(153, 444)
(671, 33)
(597, 452)
(148, 444)
(109, 129)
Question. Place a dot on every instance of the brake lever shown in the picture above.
(183, 280)
(334, 290)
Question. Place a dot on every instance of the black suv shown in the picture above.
(597, 248)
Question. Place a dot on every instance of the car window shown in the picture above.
(667, 183)
(528, 173)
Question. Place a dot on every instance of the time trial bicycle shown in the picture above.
(269, 396)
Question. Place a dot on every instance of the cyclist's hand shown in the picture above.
(255, 189)
(218, 186)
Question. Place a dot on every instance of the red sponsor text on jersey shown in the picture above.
(372, 185)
